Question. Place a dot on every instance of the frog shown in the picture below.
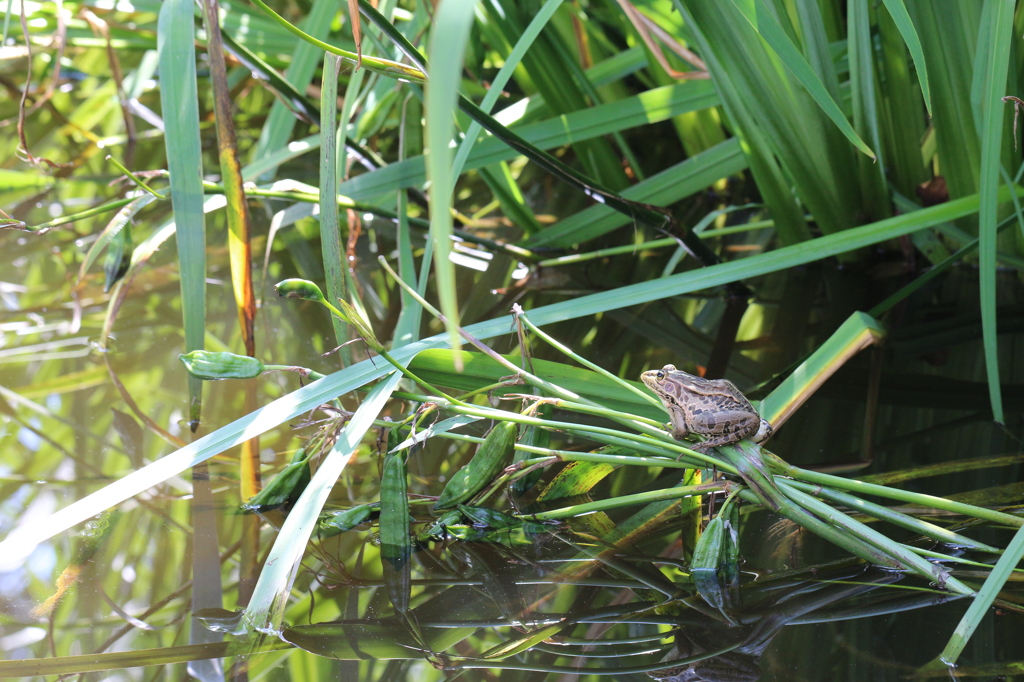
(713, 408)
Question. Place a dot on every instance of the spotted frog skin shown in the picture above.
(712, 408)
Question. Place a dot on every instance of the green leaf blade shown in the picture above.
(447, 50)
(993, 89)
(179, 100)
(900, 17)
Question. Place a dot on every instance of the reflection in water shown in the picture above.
(611, 594)
(551, 608)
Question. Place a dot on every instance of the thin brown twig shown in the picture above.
(22, 112)
(59, 38)
(645, 27)
(100, 27)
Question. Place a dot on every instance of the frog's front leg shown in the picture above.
(680, 429)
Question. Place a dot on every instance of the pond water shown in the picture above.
(572, 604)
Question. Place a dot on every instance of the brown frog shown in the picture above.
(713, 408)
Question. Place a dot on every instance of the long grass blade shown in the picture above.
(664, 188)
(651, 215)
(856, 333)
(448, 42)
(351, 98)
(993, 89)
(762, 136)
(407, 329)
(982, 602)
(861, 53)
(376, 64)
(550, 69)
(180, 102)
(240, 256)
(946, 30)
(330, 229)
(239, 248)
(900, 113)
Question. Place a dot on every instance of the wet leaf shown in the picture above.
(285, 488)
(340, 521)
(490, 458)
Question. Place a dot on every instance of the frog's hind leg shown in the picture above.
(723, 427)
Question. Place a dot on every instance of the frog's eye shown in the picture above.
(660, 374)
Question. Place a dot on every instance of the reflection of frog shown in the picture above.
(712, 408)
(739, 665)
(724, 668)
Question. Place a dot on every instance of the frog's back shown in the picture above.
(721, 392)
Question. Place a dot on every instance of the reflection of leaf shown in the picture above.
(489, 518)
(996, 496)
(131, 435)
(117, 225)
(707, 560)
(352, 641)
(334, 522)
(488, 525)
(952, 467)
(525, 641)
(491, 564)
(118, 257)
(90, 540)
